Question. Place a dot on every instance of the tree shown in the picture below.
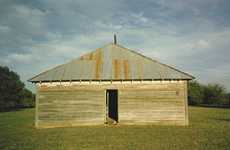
(195, 93)
(214, 94)
(28, 99)
(228, 98)
(12, 90)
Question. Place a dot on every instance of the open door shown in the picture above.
(112, 106)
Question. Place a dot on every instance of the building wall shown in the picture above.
(154, 104)
(69, 106)
(139, 102)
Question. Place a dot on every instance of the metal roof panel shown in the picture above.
(112, 62)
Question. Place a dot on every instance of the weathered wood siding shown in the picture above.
(138, 103)
(154, 104)
(61, 106)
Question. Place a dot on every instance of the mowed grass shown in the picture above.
(209, 129)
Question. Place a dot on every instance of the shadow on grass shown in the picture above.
(222, 119)
(211, 106)
(14, 109)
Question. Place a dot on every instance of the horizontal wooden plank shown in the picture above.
(90, 120)
(155, 122)
(118, 86)
(66, 110)
(152, 119)
(88, 116)
(76, 105)
(71, 88)
(76, 95)
(67, 123)
(66, 117)
(71, 102)
(143, 100)
(69, 96)
(153, 105)
(72, 120)
(163, 102)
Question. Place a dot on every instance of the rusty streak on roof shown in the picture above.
(112, 62)
(126, 69)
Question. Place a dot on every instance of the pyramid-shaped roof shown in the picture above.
(111, 62)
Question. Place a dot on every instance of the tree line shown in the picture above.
(210, 94)
(13, 93)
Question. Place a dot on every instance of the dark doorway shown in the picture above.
(112, 105)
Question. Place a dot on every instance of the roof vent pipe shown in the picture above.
(115, 39)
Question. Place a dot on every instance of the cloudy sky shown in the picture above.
(192, 35)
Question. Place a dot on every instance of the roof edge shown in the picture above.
(165, 79)
(192, 77)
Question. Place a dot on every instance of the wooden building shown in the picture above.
(111, 83)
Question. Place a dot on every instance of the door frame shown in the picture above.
(107, 105)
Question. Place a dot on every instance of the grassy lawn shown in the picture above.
(209, 129)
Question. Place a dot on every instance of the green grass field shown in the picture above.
(209, 129)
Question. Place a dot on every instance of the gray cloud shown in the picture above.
(192, 35)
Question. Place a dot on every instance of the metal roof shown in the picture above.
(111, 62)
